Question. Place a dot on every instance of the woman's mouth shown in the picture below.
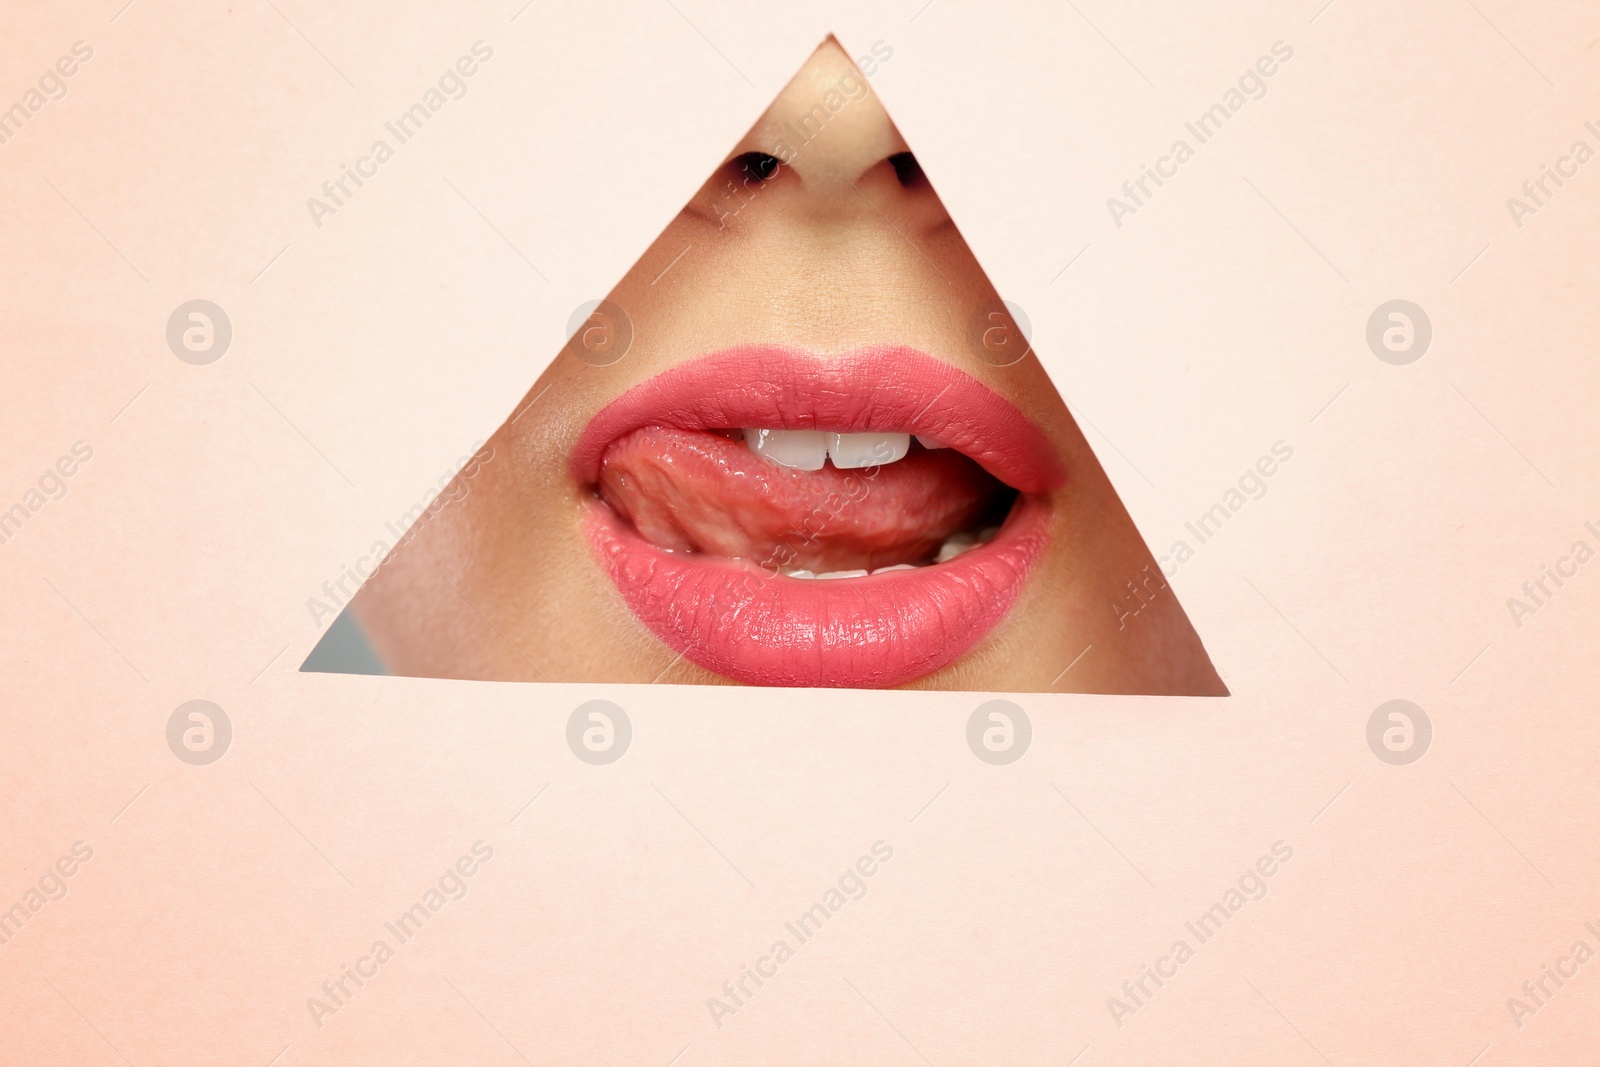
(784, 519)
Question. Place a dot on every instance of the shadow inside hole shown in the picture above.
(344, 649)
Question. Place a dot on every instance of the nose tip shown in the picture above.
(828, 124)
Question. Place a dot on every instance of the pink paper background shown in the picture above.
(368, 354)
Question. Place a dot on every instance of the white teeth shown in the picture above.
(928, 442)
(958, 543)
(805, 450)
(953, 547)
(851, 451)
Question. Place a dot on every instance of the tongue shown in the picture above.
(700, 491)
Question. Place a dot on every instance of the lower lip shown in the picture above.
(735, 619)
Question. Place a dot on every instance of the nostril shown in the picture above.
(757, 165)
(906, 168)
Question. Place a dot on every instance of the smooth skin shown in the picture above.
(834, 253)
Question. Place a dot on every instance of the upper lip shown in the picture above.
(880, 389)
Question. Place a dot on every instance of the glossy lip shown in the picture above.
(749, 624)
